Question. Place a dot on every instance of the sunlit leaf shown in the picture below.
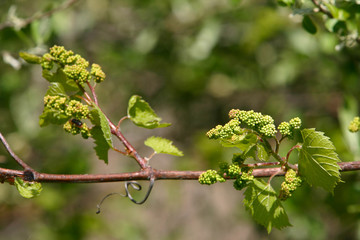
(56, 89)
(162, 145)
(337, 13)
(262, 152)
(142, 115)
(28, 189)
(104, 125)
(245, 142)
(101, 145)
(57, 75)
(318, 160)
(30, 58)
(52, 116)
(266, 209)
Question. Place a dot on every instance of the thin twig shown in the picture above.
(93, 93)
(37, 16)
(322, 8)
(13, 155)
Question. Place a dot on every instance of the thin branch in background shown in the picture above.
(20, 23)
(322, 9)
(13, 155)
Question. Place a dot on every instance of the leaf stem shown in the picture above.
(120, 121)
(92, 89)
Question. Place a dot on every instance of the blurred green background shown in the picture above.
(193, 61)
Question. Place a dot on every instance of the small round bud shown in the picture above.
(354, 125)
(210, 177)
(97, 73)
(77, 110)
(291, 183)
(284, 129)
(295, 123)
(243, 180)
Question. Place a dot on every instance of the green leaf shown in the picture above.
(56, 89)
(244, 142)
(30, 58)
(57, 75)
(162, 145)
(338, 13)
(94, 117)
(104, 124)
(101, 145)
(308, 25)
(346, 114)
(52, 116)
(142, 115)
(318, 160)
(286, 3)
(266, 209)
(262, 153)
(28, 189)
(335, 26)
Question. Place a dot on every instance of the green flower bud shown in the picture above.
(291, 183)
(354, 125)
(233, 170)
(210, 177)
(295, 123)
(77, 110)
(97, 72)
(284, 129)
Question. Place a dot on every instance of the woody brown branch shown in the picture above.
(144, 175)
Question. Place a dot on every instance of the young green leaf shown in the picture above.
(55, 89)
(245, 142)
(101, 145)
(318, 160)
(266, 209)
(52, 116)
(105, 128)
(30, 58)
(262, 153)
(338, 13)
(162, 145)
(308, 25)
(28, 189)
(57, 75)
(142, 115)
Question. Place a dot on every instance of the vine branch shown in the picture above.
(147, 173)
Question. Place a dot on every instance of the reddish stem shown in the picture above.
(146, 174)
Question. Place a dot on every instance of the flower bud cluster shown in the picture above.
(56, 103)
(264, 124)
(74, 66)
(71, 109)
(210, 177)
(243, 180)
(75, 129)
(229, 130)
(77, 110)
(97, 73)
(231, 170)
(291, 183)
(287, 129)
(354, 125)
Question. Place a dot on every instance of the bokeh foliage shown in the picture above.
(192, 61)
